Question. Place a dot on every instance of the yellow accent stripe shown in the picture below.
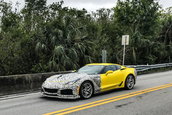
(108, 100)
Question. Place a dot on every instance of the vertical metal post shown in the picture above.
(123, 61)
(169, 59)
(104, 56)
(125, 41)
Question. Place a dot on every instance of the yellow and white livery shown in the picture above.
(88, 80)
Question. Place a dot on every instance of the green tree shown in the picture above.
(166, 35)
(139, 19)
(65, 44)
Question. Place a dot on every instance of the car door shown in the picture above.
(111, 80)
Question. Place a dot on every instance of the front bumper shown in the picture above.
(58, 94)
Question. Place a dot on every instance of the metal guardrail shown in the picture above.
(141, 68)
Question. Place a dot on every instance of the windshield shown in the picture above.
(91, 69)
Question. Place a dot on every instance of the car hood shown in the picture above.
(62, 80)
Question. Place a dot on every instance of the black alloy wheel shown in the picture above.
(86, 90)
(130, 82)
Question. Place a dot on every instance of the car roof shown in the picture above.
(102, 64)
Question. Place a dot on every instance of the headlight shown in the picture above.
(43, 84)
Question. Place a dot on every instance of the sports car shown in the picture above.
(88, 80)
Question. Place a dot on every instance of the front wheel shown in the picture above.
(86, 90)
(129, 82)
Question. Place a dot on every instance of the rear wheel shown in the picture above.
(129, 82)
(86, 90)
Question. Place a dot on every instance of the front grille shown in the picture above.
(50, 94)
(67, 92)
(50, 90)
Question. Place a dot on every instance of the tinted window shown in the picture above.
(118, 67)
(91, 69)
(107, 68)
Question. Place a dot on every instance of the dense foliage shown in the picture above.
(41, 38)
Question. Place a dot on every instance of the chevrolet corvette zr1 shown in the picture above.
(88, 80)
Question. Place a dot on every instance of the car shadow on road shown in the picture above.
(115, 91)
(57, 99)
(94, 96)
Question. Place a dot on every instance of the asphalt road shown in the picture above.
(157, 102)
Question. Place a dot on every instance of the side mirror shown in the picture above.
(109, 72)
(123, 68)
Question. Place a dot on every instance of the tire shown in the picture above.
(129, 82)
(86, 90)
